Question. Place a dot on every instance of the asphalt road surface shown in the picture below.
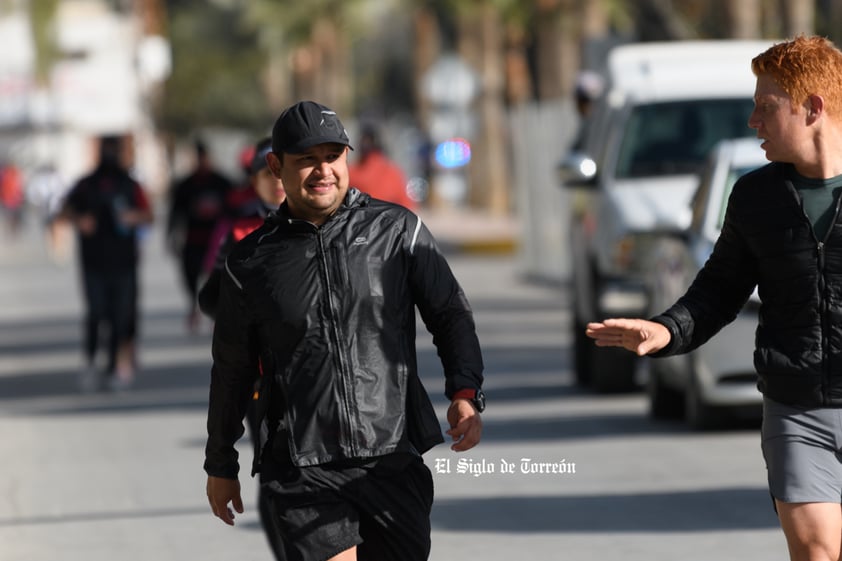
(560, 474)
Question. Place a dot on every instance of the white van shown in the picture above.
(665, 106)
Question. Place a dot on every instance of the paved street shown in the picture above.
(561, 474)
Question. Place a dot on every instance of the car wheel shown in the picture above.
(664, 402)
(698, 414)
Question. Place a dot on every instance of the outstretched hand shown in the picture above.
(639, 336)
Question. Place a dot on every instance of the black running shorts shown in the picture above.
(382, 506)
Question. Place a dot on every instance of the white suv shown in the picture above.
(665, 106)
(716, 382)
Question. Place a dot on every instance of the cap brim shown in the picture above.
(303, 145)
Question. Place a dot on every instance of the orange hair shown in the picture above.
(805, 66)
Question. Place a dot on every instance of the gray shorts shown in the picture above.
(803, 452)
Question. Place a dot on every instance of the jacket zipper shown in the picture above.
(334, 330)
(826, 310)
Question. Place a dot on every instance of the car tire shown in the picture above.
(664, 402)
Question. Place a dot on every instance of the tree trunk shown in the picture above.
(743, 17)
(658, 20)
(427, 49)
(481, 44)
(332, 78)
(833, 17)
(798, 16)
(558, 36)
(551, 47)
(518, 78)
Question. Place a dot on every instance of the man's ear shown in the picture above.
(815, 106)
(275, 164)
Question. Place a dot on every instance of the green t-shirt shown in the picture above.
(818, 197)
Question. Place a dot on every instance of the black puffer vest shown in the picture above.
(767, 241)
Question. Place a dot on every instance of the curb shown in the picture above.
(473, 232)
(487, 247)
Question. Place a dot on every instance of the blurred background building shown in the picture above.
(492, 78)
(75, 70)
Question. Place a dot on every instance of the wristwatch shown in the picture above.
(476, 397)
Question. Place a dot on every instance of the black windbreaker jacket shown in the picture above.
(768, 241)
(328, 313)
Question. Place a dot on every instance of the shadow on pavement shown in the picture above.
(735, 509)
(104, 516)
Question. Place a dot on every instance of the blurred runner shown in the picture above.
(268, 196)
(197, 203)
(107, 207)
(11, 196)
(374, 173)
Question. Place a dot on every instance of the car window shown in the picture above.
(676, 137)
(733, 175)
(699, 202)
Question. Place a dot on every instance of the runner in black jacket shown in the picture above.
(107, 208)
(323, 295)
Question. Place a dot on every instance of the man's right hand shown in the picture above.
(221, 491)
(465, 425)
(636, 335)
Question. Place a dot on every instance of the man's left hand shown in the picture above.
(465, 425)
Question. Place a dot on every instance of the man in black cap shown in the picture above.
(323, 298)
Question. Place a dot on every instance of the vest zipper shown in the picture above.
(825, 307)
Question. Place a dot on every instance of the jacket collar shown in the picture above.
(354, 198)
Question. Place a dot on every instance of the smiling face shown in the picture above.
(782, 125)
(315, 180)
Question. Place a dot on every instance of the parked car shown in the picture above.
(718, 378)
(664, 108)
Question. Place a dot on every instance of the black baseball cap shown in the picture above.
(307, 124)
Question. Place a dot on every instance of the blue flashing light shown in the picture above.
(453, 153)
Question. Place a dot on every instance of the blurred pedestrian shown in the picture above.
(374, 173)
(323, 298)
(589, 88)
(783, 235)
(197, 202)
(11, 196)
(240, 198)
(107, 207)
(250, 214)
